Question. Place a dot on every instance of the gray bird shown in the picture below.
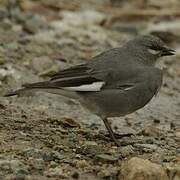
(114, 83)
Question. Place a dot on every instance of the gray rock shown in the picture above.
(106, 158)
(127, 150)
(39, 164)
(45, 156)
(34, 24)
(89, 148)
(146, 147)
(41, 64)
(55, 172)
(32, 152)
(13, 166)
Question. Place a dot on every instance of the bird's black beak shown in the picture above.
(167, 52)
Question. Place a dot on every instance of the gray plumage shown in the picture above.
(114, 83)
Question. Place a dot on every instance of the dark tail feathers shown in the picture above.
(26, 87)
(14, 93)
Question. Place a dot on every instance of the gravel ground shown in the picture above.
(44, 136)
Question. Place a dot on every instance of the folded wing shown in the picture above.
(77, 78)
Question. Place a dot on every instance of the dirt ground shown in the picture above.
(44, 136)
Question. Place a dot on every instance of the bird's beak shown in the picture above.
(167, 52)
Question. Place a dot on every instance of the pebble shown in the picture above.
(41, 64)
(106, 158)
(127, 150)
(39, 164)
(151, 131)
(177, 134)
(146, 147)
(82, 163)
(34, 24)
(174, 172)
(89, 148)
(53, 172)
(32, 152)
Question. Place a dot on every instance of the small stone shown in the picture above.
(177, 133)
(75, 175)
(140, 169)
(106, 158)
(82, 164)
(2, 60)
(127, 150)
(34, 24)
(68, 122)
(53, 164)
(151, 131)
(56, 155)
(174, 172)
(50, 72)
(157, 121)
(32, 152)
(39, 164)
(89, 148)
(41, 64)
(146, 147)
(55, 172)
(178, 151)
(108, 173)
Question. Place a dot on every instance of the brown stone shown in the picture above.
(140, 169)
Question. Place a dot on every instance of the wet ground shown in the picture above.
(48, 137)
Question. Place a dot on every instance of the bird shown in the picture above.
(114, 83)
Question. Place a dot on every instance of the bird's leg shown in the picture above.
(111, 133)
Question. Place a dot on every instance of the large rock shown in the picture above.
(140, 169)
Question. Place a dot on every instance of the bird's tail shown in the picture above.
(45, 86)
(28, 87)
(16, 92)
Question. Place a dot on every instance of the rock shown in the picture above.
(75, 175)
(34, 24)
(127, 150)
(50, 72)
(151, 131)
(32, 152)
(2, 60)
(6, 73)
(106, 158)
(42, 64)
(177, 133)
(57, 156)
(39, 164)
(81, 18)
(13, 166)
(160, 4)
(89, 148)
(108, 173)
(146, 147)
(174, 172)
(55, 172)
(140, 169)
(82, 164)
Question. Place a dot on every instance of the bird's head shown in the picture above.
(149, 48)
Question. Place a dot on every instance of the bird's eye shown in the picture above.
(153, 51)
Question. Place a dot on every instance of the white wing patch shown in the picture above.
(95, 86)
(129, 88)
